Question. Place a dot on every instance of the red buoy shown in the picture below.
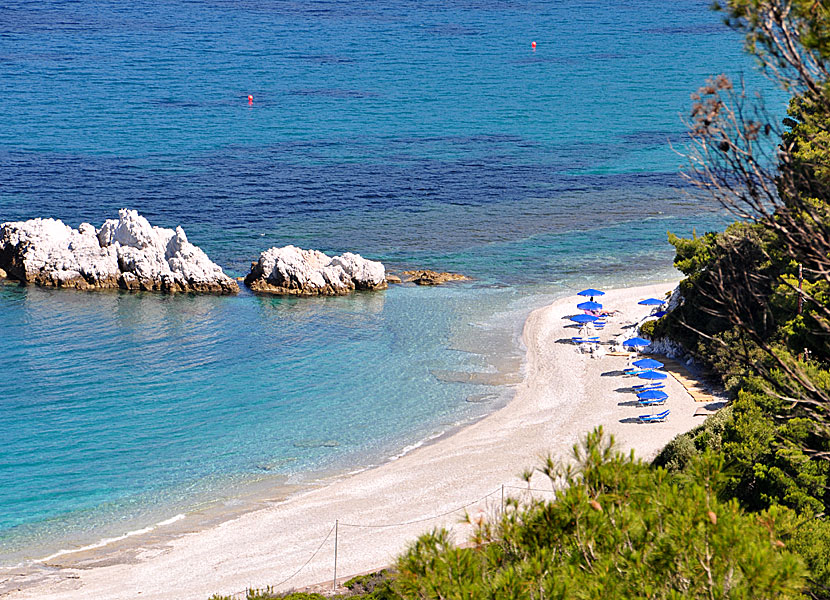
(533, 45)
(251, 98)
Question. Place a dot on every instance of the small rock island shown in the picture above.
(293, 271)
(126, 253)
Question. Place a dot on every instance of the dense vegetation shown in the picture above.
(736, 507)
(757, 296)
(618, 529)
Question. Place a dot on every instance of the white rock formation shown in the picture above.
(366, 274)
(291, 270)
(675, 300)
(128, 253)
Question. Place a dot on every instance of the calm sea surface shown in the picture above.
(423, 134)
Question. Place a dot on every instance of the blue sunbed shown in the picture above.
(658, 418)
(648, 386)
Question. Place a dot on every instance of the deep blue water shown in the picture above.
(423, 134)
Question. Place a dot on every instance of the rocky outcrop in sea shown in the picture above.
(126, 253)
(427, 277)
(293, 271)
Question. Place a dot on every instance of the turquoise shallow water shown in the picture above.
(421, 134)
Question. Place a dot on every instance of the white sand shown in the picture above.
(565, 395)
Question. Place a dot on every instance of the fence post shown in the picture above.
(502, 498)
(334, 582)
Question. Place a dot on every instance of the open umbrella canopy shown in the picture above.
(637, 341)
(591, 292)
(584, 318)
(652, 375)
(589, 306)
(652, 302)
(653, 395)
(648, 363)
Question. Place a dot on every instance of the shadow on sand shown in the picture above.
(629, 403)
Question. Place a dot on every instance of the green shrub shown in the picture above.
(678, 453)
(374, 586)
(647, 329)
(620, 529)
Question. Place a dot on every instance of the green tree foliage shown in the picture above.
(619, 529)
(714, 326)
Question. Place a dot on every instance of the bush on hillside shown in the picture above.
(620, 529)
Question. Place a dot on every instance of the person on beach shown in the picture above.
(601, 313)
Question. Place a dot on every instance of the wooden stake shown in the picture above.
(334, 582)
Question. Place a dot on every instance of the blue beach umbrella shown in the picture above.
(591, 292)
(652, 395)
(584, 318)
(652, 375)
(589, 306)
(637, 341)
(648, 363)
(652, 302)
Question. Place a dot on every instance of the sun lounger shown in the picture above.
(658, 418)
(651, 402)
(648, 386)
(588, 340)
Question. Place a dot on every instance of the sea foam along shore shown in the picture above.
(381, 510)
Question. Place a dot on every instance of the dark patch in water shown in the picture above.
(601, 56)
(481, 398)
(547, 59)
(305, 444)
(275, 466)
(645, 139)
(700, 29)
(172, 103)
(322, 59)
(334, 93)
(481, 138)
(452, 30)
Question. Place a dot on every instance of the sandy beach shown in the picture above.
(565, 394)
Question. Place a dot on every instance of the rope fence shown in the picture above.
(430, 518)
(337, 524)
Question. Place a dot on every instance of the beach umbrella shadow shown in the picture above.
(628, 403)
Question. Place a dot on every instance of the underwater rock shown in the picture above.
(427, 277)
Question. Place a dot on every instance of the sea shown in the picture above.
(428, 134)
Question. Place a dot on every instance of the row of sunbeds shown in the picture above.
(647, 402)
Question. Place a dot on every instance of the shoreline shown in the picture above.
(384, 507)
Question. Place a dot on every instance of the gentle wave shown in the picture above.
(410, 448)
(107, 541)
